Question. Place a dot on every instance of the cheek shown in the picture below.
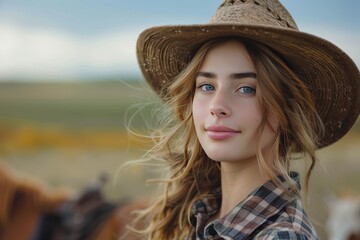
(198, 112)
(252, 114)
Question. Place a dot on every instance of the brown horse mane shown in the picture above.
(15, 187)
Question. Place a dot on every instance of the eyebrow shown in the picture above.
(232, 76)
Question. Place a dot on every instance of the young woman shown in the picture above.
(245, 93)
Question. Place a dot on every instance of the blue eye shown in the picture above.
(207, 87)
(247, 90)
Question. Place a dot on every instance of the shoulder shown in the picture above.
(282, 234)
(291, 223)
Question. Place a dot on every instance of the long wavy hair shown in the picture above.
(191, 174)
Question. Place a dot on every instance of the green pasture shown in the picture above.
(77, 105)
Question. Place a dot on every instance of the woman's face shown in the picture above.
(226, 111)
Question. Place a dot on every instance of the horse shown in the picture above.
(23, 200)
(29, 209)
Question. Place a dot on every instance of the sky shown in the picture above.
(48, 40)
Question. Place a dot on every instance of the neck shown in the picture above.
(238, 180)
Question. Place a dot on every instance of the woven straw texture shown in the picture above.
(330, 74)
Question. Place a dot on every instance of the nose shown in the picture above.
(220, 105)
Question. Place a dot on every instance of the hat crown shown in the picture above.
(254, 12)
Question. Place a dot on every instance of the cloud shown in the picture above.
(48, 54)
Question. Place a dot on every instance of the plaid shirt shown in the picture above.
(267, 213)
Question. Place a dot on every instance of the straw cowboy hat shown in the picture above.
(331, 75)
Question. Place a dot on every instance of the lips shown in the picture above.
(220, 132)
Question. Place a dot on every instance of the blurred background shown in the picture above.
(70, 85)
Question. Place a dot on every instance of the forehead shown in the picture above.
(229, 55)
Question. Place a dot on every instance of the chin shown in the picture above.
(229, 158)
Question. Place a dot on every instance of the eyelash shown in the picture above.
(201, 87)
(253, 90)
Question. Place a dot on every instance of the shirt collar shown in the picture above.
(260, 205)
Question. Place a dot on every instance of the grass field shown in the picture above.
(67, 133)
(73, 106)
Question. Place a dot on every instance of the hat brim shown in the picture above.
(330, 74)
